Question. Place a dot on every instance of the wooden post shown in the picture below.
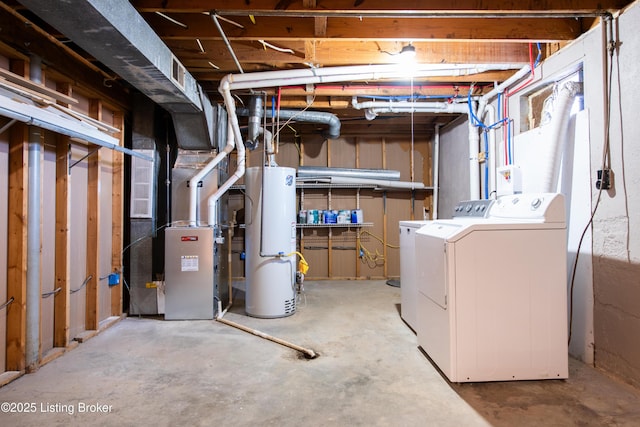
(117, 215)
(92, 315)
(62, 300)
(17, 248)
(62, 305)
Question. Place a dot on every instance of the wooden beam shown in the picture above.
(36, 87)
(92, 314)
(16, 30)
(199, 6)
(353, 29)
(339, 52)
(117, 216)
(17, 248)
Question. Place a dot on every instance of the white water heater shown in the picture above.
(270, 240)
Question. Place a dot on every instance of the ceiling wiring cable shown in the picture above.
(611, 47)
(622, 157)
(285, 124)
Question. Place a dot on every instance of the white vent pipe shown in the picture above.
(436, 171)
(408, 107)
(326, 75)
(193, 182)
(357, 72)
(553, 146)
(374, 107)
(484, 99)
(240, 168)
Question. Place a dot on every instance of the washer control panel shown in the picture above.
(472, 208)
(546, 207)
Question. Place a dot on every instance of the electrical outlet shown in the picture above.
(604, 179)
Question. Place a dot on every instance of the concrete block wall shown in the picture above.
(616, 240)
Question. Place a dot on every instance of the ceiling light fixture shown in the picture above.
(408, 51)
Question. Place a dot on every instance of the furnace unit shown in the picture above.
(189, 273)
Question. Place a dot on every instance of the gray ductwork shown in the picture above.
(255, 113)
(301, 116)
(116, 35)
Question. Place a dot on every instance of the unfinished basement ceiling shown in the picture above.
(266, 35)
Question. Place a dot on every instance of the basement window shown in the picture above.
(177, 72)
(536, 102)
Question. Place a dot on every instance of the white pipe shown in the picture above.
(240, 159)
(408, 106)
(551, 151)
(358, 72)
(325, 75)
(484, 99)
(193, 182)
(34, 241)
(473, 133)
(491, 154)
(436, 170)
(474, 171)
(226, 42)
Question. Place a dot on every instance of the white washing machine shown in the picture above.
(492, 298)
(408, 285)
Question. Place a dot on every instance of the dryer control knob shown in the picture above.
(535, 203)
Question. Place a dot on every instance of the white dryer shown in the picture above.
(492, 298)
(408, 286)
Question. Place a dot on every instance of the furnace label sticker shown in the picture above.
(189, 262)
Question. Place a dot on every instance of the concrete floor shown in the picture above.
(370, 372)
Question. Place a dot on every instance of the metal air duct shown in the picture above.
(330, 119)
(116, 35)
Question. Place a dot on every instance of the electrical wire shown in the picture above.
(73, 291)
(605, 161)
(53, 292)
(372, 259)
(8, 303)
(285, 124)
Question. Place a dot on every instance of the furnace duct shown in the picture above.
(255, 117)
